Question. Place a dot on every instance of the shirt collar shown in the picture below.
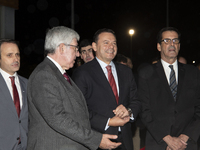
(166, 65)
(7, 75)
(103, 64)
(57, 65)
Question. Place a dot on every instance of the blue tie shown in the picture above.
(172, 82)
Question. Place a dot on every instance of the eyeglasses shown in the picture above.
(85, 51)
(77, 47)
(168, 41)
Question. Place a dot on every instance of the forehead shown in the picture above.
(86, 47)
(9, 47)
(169, 34)
(107, 36)
(74, 42)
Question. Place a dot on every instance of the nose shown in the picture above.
(111, 45)
(17, 57)
(171, 42)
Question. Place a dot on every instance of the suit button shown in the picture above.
(19, 121)
(18, 138)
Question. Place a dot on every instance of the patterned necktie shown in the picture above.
(172, 82)
(15, 95)
(112, 82)
(67, 77)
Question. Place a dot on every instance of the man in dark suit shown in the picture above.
(59, 118)
(13, 99)
(169, 92)
(111, 99)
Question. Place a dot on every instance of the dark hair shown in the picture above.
(159, 36)
(121, 58)
(84, 43)
(96, 35)
(7, 41)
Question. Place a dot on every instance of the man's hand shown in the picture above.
(174, 143)
(116, 121)
(121, 111)
(184, 137)
(107, 144)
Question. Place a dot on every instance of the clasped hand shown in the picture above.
(121, 116)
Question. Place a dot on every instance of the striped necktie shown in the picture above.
(172, 82)
(112, 82)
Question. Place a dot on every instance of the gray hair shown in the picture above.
(58, 35)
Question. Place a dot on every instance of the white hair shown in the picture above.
(58, 35)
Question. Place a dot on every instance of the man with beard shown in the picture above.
(109, 89)
(169, 92)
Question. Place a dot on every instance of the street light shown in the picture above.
(131, 32)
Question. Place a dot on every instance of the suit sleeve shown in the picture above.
(47, 98)
(134, 103)
(193, 129)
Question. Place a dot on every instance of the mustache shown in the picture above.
(15, 63)
(172, 47)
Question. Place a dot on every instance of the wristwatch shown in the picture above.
(129, 111)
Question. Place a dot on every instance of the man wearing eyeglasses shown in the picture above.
(86, 51)
(169, 92)
(59, 118)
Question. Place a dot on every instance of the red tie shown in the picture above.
(112, 82)
(15, 95)
(67, 77)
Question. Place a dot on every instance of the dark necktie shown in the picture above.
(112, 82)
(172, 82)
(67, 77)
(15, 95)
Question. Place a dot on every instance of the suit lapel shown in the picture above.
(120, 83)
(8, 98)
(181, 74)
(24, 95)
(101, 78)
(162, 76)
(71, 89)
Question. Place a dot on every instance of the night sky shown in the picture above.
(146, 17)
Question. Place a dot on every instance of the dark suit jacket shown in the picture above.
(11, 127)
(59, 117)
(101, 101)
(160, 113)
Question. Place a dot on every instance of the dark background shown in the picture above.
(146, 17)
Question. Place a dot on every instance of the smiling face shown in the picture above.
(10, 58)
(169, 51)
(106, 47)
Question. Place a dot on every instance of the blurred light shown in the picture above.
(131, 32)
(193, 62)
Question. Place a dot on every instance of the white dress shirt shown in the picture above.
(113, 69)
(167, 69)
(6, 76)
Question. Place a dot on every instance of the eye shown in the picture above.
(83, 52)
(9, 55)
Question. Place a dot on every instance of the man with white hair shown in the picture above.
(59, 118)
